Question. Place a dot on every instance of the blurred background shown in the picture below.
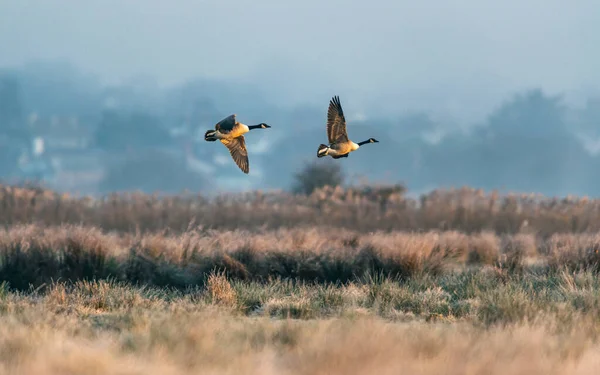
(108, 95)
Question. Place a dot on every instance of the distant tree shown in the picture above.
(316, 175)
(532, 114)
(527, 146)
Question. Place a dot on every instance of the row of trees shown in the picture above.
(533, 141)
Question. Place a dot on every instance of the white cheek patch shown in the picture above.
(223, 136)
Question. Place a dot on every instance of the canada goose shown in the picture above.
(231, 133)
(339, 144)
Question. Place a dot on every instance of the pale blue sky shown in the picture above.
(458, 57)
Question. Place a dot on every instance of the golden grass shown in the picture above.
(481, 321)
(49, 335)
(343, 281)
(220, 290)
(33, 255)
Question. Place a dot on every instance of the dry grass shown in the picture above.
(241, 302)
(34, 256)
(109, 328)
(222, 345)
(343, 281)
(220, 290)
(359, 209)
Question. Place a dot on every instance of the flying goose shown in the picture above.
(231, 133)
(339, 144)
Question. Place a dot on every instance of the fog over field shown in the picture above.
(493, 95)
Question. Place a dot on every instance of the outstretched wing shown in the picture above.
(238, 151)
(336, 122)
(226, 125)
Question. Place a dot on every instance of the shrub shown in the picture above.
(314, 176)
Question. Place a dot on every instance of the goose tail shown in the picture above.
(209, 136)
(323, 149)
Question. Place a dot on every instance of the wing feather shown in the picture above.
(238, 151)
(336, 122)
(226, 125)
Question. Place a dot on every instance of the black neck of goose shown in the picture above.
(254, 126)
(364, 142)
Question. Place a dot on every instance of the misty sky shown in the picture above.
(457, 57)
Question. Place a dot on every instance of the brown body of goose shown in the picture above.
(231, 133)
(339, 144)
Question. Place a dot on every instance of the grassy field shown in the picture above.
(477, 323)
(457, 282)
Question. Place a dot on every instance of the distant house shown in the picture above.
(61, 133)
(62, 154)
